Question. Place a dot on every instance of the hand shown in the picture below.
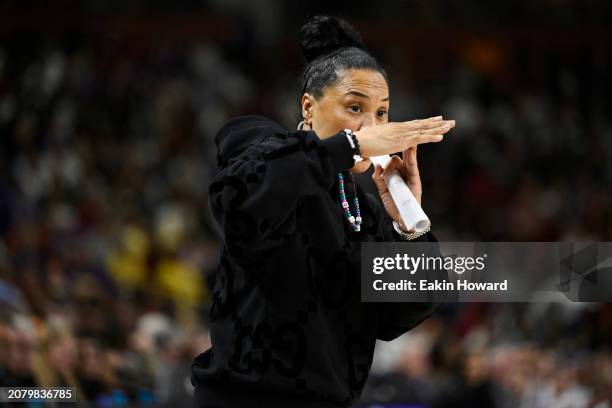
(400, 136)
(409, 171)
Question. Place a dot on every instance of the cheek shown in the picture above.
(332, 120)
(343, 119)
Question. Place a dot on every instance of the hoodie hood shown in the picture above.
(238, 133)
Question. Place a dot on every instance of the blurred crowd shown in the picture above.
(108, 250)
(498, 355)
(107, 246)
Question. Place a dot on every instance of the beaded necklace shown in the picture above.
(355, 221)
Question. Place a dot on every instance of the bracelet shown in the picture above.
(409, 236)
(356, 143)
(352, 139)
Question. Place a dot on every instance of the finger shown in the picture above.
(424, 136)
(408, 169)
(379, 181)
(440, 129)
(377, 171)
(394, 164)
(410, 156)
(420, 124)
(413, 157)
(424, 123)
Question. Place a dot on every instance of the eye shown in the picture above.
(381, 113)
(355, 108)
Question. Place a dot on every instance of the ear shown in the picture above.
(308, 103)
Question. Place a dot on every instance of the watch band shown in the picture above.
(409, 236)
(352, 139)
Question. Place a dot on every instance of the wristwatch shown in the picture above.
(409, 236)
(352, 139)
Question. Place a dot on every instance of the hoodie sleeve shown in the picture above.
(263, 172)
(396, 318)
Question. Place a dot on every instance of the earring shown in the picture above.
(301, 125)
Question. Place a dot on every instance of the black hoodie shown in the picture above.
(287, 325)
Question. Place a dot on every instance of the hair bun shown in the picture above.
(321, 35)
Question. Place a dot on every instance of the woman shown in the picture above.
(287, 325)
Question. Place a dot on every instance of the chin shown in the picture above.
(361, 167)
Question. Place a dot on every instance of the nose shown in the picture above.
(368, 120)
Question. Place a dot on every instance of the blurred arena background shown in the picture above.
(108, 110)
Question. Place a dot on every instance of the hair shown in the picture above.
(331, 46)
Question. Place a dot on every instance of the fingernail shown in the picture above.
(437, 117)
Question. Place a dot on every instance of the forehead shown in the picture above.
(369, 82)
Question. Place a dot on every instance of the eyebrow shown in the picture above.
(357, 93)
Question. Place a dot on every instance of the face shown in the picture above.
(359, 98)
